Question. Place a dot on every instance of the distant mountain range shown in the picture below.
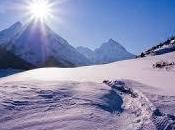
(108, 52)
(36, 45)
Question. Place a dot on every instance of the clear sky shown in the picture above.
(136, 24)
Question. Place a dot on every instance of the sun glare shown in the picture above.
(40, 9)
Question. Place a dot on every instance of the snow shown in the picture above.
(66, 105)
(140, 70)
(134, 96)
(41, 105)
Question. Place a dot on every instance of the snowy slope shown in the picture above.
(140, 70)
(79, 98)
(108, 52)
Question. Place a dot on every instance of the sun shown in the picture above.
(40, 9)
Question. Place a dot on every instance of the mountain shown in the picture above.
(161, 48)
(9, 60)
(36, 43)
(111, 51)
(7, 34)
(108, 52)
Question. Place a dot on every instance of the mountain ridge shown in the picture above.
(108, 52)
(39, 43)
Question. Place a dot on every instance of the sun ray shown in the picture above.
(40, 10)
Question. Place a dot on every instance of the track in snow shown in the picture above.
(147, 115)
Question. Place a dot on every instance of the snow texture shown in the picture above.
(72, 105)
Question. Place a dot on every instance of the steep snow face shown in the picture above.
(7, 34)
(111, 51)
(37, 43)
(108, 52)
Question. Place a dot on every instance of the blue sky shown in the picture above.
(136, 24)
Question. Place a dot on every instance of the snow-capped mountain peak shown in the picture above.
(111, 51)
(39, 43)
(111, 44)
(111, 41)
(108, 52)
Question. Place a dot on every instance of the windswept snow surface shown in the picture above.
(54, 98)
(53, 106)
(40, 105)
